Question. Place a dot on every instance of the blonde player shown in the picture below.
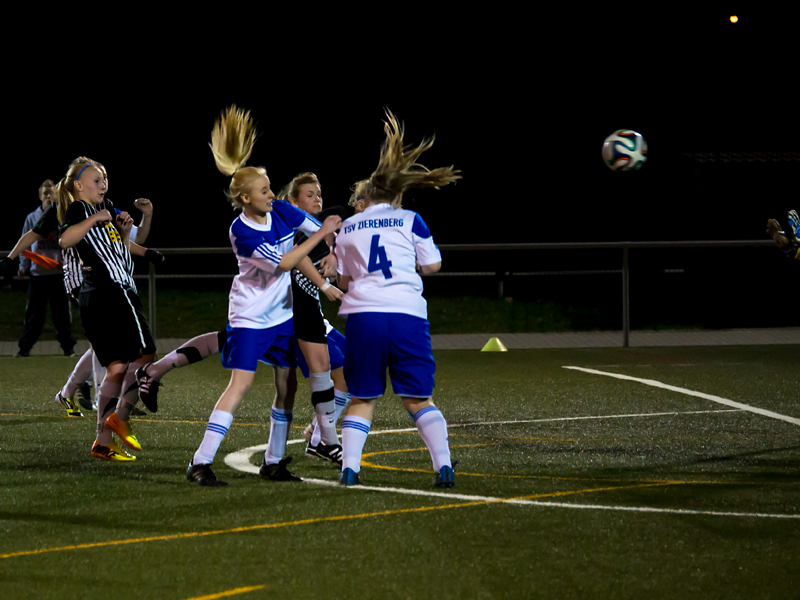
(380, 251)
(260, 310)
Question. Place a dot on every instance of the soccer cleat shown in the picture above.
(332, 452)
(203, 475)
(446, 477)
(83, 396)
(349, 477)
(148, 389)
(278, 471)
(308, 432)
(124, 431)
(110, 452)
(72, 409)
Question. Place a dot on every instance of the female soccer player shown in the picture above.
(260, 311)
(110, 309)
(322, 347)
(379, 251)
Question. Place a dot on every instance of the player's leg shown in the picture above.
(365, 371)
(193, 351)
(322, 390)
(218, 424)
(273, 466)
(104, 445)
(412, 370)
(80, 373)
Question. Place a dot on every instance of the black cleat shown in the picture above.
(277, 472)
(203, 475)
(83, 396)
(332, 452)
(148, 389)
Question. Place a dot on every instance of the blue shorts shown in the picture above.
(244, 347)
(395, 340)
(336, 352)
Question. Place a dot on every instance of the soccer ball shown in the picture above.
(624, 150)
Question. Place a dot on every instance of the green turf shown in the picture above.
(389, 545)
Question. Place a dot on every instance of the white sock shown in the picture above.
(106, 403)
(323, 399)
(342, 399)
(218, 424)
(280, 422)
(433, 430)
(79, 375)
(99, 374)
(354, 435)
(193, 351)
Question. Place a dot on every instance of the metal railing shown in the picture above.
(501, 276)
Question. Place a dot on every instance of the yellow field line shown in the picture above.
(197, 534)
(365, 463)
(242, 590)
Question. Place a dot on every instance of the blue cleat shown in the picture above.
(349, 477)
(446, 477)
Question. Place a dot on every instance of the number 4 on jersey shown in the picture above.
(378, 261)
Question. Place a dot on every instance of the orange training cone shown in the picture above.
(494, 345)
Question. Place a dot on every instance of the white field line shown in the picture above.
(240, 461)
(680, 390)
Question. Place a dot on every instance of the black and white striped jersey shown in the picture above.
(299, 281)
(48, 225)
(104, 258)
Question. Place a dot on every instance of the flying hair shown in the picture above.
(398, 169)
(359, 189)
(232, 141)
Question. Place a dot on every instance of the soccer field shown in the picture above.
(680, 481)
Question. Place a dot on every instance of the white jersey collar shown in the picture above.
(258, 226)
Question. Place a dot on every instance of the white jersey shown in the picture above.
(261, 294)
(379, 249)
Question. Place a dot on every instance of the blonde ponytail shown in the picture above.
(66, 187)
(232, 141)
(398, 169)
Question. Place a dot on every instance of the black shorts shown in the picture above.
(309, 322)
(115, 325)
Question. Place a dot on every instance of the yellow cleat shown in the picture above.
(72, 409)
(123, 430)
(110, 452)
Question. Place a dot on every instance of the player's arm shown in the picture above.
(154, 256)
(290, 260)
(72, 234)
(143, 230)
(429, 258)
(306, 267)
(25, 242)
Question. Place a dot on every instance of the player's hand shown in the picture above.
(20, 272)
(154, 256)
(328, 265)
(124, 222)
(331, 224)
(333, 293)
(144, 205)
(102, 216)
(774, 231)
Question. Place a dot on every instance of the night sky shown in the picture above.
(521, 105)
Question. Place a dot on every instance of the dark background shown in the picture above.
(520, 99)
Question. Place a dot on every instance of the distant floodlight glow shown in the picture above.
(734, 18)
